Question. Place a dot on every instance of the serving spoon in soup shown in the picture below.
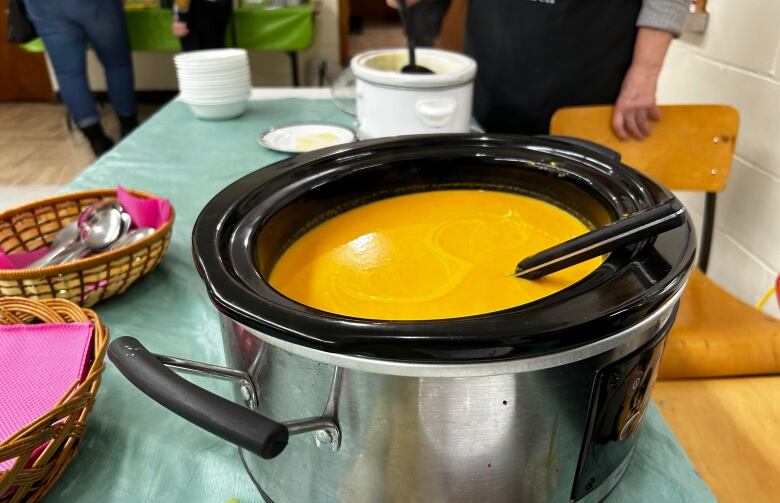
(634, 228)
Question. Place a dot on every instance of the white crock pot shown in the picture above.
(391, 103)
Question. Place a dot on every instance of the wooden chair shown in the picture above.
(691, 148)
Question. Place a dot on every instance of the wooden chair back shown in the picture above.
(690, 148)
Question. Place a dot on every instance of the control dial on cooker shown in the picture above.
(621, 395)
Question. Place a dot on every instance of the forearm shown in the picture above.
(635, 106)
(649, 51)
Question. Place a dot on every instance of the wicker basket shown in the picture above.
(62, 428)
(85, 281)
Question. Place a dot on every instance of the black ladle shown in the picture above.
(641, 225)
(412, 67)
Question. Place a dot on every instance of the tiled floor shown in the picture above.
(39, 153)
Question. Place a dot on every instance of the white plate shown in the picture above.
(305, 137)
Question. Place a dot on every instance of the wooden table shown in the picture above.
(730, 428)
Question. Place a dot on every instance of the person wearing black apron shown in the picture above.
(201, 24)
(535, 56)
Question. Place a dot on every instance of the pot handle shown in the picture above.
(436, 113)
(579, 142)
(228, 420)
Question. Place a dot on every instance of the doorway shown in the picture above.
(24, 74)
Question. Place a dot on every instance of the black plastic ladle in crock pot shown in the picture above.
(541, 402)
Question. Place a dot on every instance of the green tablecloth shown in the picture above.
(136, 451)
(286, 29)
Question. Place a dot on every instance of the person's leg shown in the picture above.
(66, 46)
(223, 11)
(191, 42)
(105, 26)
(208, 23)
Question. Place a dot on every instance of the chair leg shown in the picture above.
(708, 226)
(294, 68)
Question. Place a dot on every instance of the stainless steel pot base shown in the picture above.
(263, 494)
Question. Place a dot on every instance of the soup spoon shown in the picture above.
(62, 240)
(100, 227)
(133, 237)
(641, 225)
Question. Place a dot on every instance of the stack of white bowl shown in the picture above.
(215, 83)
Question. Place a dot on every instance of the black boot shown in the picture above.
(127, 124)
(98, 140)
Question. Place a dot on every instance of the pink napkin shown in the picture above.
(153, 212)
(21, 260)
(38, 364)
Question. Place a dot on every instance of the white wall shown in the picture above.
(737, 62)
(155, 71)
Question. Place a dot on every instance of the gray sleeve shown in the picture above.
(667, 15)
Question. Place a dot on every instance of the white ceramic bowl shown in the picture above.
(213, 67)
(214, 100)
(214, 77)
(218, 112)
(210, 70)
(216, 93)
(210, 55)
(214, 84)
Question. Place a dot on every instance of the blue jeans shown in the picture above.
(66, 27)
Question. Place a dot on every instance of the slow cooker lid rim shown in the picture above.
(436, 353)
(219, 276)
(398, 80)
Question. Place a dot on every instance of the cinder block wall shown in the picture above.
(737, 62)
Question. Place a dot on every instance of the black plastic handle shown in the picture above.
(641, 225)
(228, 420)
(404, 14)
(580, 142)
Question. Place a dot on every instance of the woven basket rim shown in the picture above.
(88, 262)
(31, 483)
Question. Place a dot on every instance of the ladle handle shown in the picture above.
(231, 421)
(404, 14)
(639, 226)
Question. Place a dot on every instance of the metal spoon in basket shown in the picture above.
(64, 238)
(100, 226)
(641, 225)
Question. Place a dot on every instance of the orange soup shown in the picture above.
(428, 255)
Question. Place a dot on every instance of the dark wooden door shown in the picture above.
(23, 75)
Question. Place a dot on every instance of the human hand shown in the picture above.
(635, 106)
(179, 29)
(409, 3)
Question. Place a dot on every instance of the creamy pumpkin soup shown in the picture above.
(428, 255)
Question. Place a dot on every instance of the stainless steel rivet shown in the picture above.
(245, 394)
